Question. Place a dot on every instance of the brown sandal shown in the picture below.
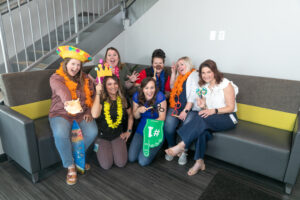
(71, 176)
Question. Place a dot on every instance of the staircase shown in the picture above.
(92, 32)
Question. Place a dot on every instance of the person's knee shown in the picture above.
(131, 157)
(144, 162)
(106, 165)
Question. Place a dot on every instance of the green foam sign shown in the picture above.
(153, 135)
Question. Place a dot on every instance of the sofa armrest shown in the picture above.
(294, 160)
(18, 139)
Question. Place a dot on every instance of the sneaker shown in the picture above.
(168, 157)
(182, 159)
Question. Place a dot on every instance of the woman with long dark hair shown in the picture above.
(148, 103)
(110, 107)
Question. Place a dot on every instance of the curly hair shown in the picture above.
(213, 67)
(105, 96)
(158, 53)
(141, 98)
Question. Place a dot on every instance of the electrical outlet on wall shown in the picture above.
(212, 35)
(221, 35)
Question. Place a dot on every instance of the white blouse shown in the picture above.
(215, 97)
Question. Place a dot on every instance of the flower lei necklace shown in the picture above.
(108, 119)
(177, 89)
(71, 85)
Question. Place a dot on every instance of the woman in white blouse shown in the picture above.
(217, 100)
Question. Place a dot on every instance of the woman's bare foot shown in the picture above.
(174, 151)
(199, 165)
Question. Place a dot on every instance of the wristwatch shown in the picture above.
(186, 111)
(129, 130)
(216, 110)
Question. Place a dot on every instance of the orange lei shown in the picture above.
(71, 85)
(177, 89)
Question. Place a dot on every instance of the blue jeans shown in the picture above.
(136, 151)
(171, 123)
(200, 129)
(61, 129)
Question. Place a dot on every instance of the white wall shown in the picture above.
(262, 36)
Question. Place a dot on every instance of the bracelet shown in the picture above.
(98, 93)
(216, 110)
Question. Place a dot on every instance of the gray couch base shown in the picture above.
(255, 147)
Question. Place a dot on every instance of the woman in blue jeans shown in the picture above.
(148, 103)
(69, 83)
(182, 102)
(218, 104)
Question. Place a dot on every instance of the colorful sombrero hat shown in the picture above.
(73, 52)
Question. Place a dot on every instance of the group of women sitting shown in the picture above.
(108, 109)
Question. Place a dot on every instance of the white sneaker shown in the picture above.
(182, 159)
(168, 157)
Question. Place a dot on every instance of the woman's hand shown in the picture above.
(124, 136)
(182, 115)
(207, 112)
(133, 77)
(201, 102)
(142, 109)
(88, 118)
(173, 68)
(99, 88)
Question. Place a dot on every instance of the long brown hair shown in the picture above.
(142, 99)
(120, 65)
(105, 96)
(213, 67)
(78, 78)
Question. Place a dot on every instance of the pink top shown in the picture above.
(61, 94)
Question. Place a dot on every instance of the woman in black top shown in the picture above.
(110, 108)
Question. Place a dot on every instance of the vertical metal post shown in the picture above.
(69, 19)
(93, 5)
(88, 10)
(98, 8)
(4, 47)
(48, 27)
(13, 34)
(40, 27)
(55, 25)
(76, 20)
(23, 35)
(62, 20)
(82, 21)
(31, 29)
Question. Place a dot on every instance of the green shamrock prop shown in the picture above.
(153, 135)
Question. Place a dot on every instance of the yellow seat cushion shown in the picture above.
(267, 117)
(34, 110)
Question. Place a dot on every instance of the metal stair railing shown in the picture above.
(26, 41)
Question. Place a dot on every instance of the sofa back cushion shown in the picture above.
(28, 93)
(267, 101)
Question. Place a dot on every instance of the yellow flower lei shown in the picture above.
(108, 119)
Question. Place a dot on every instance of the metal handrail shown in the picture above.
(76, 35)
(37, 37)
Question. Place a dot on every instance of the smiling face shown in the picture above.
(158, 64)
(73, 67)
(112, 58)
(207, 75)
(112, 87)
(149, 90)
(181, 67)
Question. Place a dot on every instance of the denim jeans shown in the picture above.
(171, 123)
(61, 129)
(136, 151)
(200, 129)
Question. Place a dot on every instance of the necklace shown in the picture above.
(108, 119)
(72, 86)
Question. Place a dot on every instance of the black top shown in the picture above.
(106, 132)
